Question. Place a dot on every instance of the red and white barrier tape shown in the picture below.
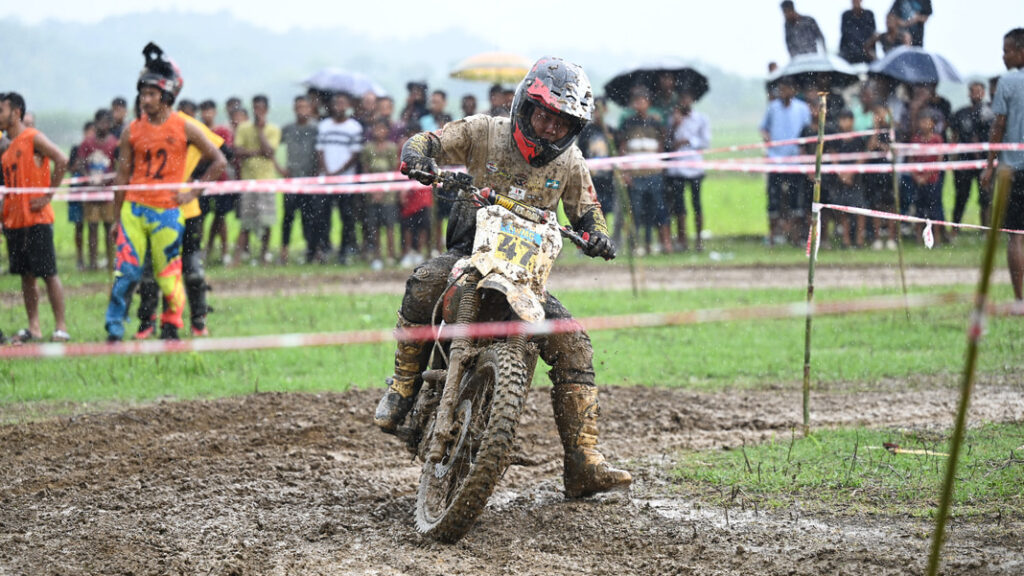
(100, 193)
(903, 218)
(395, 181)
(98, 179)
(485, 330)
(318, 185)
(719, 165)
(907, 148)
(927, 235)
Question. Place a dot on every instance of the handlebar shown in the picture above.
(488, 197)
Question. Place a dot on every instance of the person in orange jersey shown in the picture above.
(152, 150)
(28, 218)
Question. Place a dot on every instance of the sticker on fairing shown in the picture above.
(522, 232)
(516, 250)
(516, 193)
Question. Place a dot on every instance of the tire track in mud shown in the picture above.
(303, 484)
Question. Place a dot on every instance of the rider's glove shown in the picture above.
(600, 245)
(422, 168)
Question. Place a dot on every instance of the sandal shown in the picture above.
(60, 336)
(23, 336)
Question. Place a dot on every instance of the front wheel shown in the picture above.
(454, 491)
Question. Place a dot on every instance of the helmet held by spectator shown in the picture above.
(160, 72)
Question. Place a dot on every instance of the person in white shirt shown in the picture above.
(339, 140)
(690, 131)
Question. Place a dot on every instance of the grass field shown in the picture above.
(841, 470)
(850, 471)
(862, 348)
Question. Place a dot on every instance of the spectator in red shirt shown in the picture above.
(414, 214)
(927, 188)
(95, 157)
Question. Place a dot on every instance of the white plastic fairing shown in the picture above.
(523, 301)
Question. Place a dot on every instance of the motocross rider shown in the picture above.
(531, 157)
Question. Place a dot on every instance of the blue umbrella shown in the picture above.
(915, 66)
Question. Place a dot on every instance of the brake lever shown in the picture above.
(582, 241)
(420, 175)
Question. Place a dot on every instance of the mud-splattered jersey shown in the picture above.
(484, 145)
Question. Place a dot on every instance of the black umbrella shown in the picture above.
(916, 66)
(685, 79)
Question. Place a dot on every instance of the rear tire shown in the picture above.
(454, 492)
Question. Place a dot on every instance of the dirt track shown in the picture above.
(587, 277)
(303, 484)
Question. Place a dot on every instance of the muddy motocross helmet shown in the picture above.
(160, 72)
(560, 87)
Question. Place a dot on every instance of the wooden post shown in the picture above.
(896, 197)
(975, 331)
(815, 222)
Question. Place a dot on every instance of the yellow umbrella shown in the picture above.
(493, 67)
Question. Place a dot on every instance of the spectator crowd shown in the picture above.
(338, 133)
(909, 112)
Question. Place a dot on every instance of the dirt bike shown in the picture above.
(463, 423)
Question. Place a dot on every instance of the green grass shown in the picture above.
(705, 357)
(847, 471)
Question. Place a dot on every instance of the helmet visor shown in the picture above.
(550, 125)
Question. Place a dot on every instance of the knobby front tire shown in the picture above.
(454, 492)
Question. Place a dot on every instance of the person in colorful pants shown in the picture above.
(152, 151)
(191, 264)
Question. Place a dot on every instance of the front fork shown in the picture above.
(461, 351)
(469, 306)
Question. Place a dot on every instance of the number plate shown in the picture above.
(516, 250)
(521, 250)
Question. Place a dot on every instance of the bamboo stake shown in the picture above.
(625, 211)
(815, 222)
(896, 196)
(974, 334)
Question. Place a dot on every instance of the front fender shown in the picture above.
(523, 301)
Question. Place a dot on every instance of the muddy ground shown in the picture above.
(586, 277)
(304, 484)
(591, 276)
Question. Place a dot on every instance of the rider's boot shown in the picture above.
(410, 359)
(586, 471)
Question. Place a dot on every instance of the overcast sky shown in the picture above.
(740, 36)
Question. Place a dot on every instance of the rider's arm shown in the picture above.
(579, 199)
(418, 155)
(452, 144)
(422, 145)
